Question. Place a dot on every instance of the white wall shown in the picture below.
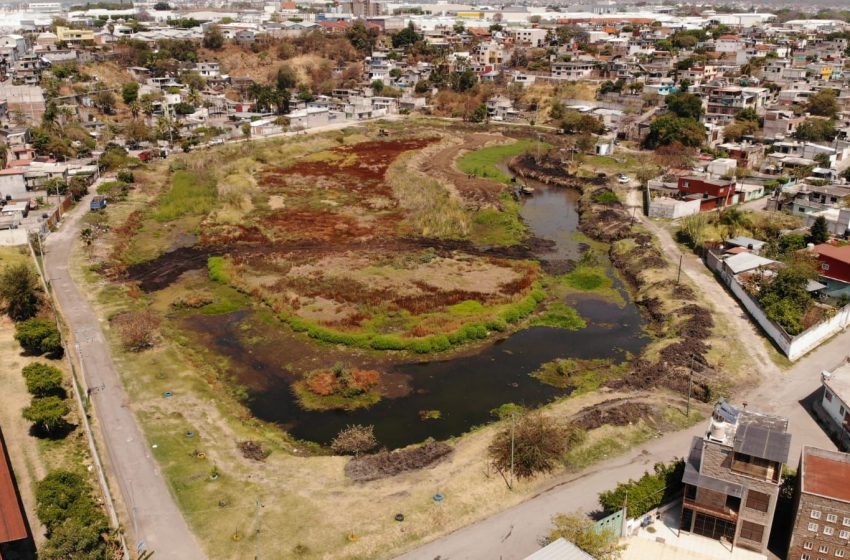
(678, 209)
(794, 347)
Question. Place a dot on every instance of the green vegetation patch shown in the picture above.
(482, 163)
(581, 376)
(338, 388)
(561, 316)
(607, 442)
(216, 270)
(190, 195)
(504, 227)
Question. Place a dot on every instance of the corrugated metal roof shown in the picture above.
(758, 441)
(560, 550)
(746, 261)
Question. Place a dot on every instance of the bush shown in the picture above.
(137, 329)
(64, 497)
(114, 191)
(648, 492)
(579, 530)
(354, 440)
(387, 342)
(533, 444)
(126, 176)
(19, 289)
(215, 269)
(47, 413)
(39, 336)
(43, 380)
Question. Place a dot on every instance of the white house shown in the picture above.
(835, 404)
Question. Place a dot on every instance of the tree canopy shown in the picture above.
(579, 530)
(19, 290)
(816, 130)
(668, 129)
(684, 105)
(823, 104)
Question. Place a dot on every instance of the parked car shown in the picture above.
(623, 179)
(98, 203)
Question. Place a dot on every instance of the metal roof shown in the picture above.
(762, 442)
(13, 526)
(746, 261)
(560, 550)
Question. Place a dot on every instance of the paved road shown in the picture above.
(515, 533)
(154, 519)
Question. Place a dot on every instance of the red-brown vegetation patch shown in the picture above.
(391, 463)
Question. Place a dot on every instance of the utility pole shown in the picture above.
(690, 386)
(257, 538)
(513, 423)
(679, 274)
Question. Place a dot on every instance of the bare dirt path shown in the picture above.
(154, 521)
(517, 532)
(472, 190)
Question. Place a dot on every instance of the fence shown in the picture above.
(614, 524)
(792, 346)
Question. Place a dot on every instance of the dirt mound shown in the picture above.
(611, 413)
(391, 463)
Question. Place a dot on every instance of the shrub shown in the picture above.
(215, 268)
(19, 289)
(648, 492)
(126, 176)
(579, 530)
(533, 444)
(64, 496)
(42, 380)
(387, 342)
(606, 197)
(47, 413)
(39, 336)
(137, 329)
(354, 440)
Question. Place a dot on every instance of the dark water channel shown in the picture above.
(464, 389)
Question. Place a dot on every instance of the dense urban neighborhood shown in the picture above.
(367, 279)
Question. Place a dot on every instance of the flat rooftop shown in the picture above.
(826, 473)
(838, 381)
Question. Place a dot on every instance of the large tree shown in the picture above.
(816, 130)
(668, 129)
(47, 413)
(19, 289)
(684, 105)
(823, 104)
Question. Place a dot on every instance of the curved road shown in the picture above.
(153, 518)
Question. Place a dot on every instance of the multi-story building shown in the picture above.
(822, 504)
(723, 103)
(67, 35)
(732, 477)
(712, 193)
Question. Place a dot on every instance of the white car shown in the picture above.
(623, 179)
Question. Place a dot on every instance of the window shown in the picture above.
(813, 527)
(844, 535)
(831, 517)
(828, 531)
(846, 521)
(808, 545)
(827, 395)
(823, 549)
(815, 514)
(841, 411)
(752, 531)
(804, 557)
(839, 553)
(758, 501)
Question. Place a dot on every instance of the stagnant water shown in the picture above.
(464, 389)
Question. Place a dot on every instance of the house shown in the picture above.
(208, 69)
(560, 549)
(533, 37)
(572, 70)
(724, 102)
(833, 409)
(75, 36)
(822, 505)
(12, 183)
(811, 199)
(714, 193)
(15, 537)
(753, 245)
(837, 220)
(834, 267)
(732, 477)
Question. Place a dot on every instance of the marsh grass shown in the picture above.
(482, 163)
(190, 195)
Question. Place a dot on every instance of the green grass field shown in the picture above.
(482, 163)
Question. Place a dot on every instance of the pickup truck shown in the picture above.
(98, 203)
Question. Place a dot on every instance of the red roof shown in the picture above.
(728, 38)
(826, 473)
(13, 527)
(838, 253)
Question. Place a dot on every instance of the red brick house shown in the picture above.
(714, 193)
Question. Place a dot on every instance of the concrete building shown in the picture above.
(822, 505)
(534, 37)
(732, 477)
(67, 35)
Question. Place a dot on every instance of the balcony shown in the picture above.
(723, 512)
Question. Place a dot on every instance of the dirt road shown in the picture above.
(516, 532)
(154, 522)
